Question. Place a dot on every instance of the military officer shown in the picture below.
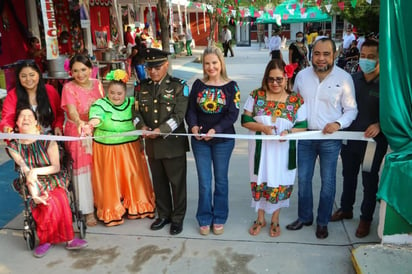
(161, 103)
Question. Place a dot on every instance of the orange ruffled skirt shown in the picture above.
(121, 181)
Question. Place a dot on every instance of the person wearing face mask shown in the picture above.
(65, 45)
(353, 152)
(297, 54)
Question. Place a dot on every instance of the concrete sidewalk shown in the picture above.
(134, 248)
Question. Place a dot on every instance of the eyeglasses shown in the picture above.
(278, 80)
(155, 68)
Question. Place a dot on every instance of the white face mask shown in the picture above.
(299, 39)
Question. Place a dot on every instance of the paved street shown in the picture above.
(134, 248)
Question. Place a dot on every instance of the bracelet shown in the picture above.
(289, 131)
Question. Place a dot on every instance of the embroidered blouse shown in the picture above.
(214, 107)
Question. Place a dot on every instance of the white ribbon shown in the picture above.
(304, 135)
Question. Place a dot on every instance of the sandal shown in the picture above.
(91, 220)
(255, 228)
(274, 230)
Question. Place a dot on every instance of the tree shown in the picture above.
(163, 12)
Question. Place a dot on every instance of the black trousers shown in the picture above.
(169, 184)
(352, 155)
(227, 46)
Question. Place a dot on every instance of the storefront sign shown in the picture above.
(50, 29)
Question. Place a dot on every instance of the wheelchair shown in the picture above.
(29, 224)
(351, 65)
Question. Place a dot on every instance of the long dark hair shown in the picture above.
(274, 64)
(44, 112)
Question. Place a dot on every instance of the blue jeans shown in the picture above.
(212, 209)
(328, 152)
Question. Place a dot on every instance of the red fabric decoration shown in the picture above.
(100, 21)
(341, 5)
(290, 69)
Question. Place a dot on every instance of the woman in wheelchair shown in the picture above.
(40, 162)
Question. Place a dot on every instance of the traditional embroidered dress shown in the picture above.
(54, 220)
(272, 164)
(120, 170)
(81, 151)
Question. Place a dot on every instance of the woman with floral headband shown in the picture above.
(272, 109)
(213, 109)
(120, 177)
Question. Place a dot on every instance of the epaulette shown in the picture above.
(175, 79)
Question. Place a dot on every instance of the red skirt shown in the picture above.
(120, 180)
(54, 220)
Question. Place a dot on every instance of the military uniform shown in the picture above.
(164, 106)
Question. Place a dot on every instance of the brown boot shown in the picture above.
(363, 229)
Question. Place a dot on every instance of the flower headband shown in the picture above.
(118, 75)
(290, 69)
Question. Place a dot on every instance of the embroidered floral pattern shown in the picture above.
(237, 99)
(212, 100)
(287, 110)
(270, 194)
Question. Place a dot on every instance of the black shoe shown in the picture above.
(176, 228)
(322, 232)
(296, 225)
(159, 223)
(340, 215)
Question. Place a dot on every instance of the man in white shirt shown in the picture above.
(360, 40)
(329, 95)
(348, 37)
(275, 43)
(227, 38)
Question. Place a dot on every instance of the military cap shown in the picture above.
(155, 57)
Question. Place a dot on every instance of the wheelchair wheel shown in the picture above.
(28, 233)
(81, 224)
(29, 238)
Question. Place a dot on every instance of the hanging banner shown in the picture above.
(50, 29)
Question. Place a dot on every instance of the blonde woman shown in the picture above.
(213, 108)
